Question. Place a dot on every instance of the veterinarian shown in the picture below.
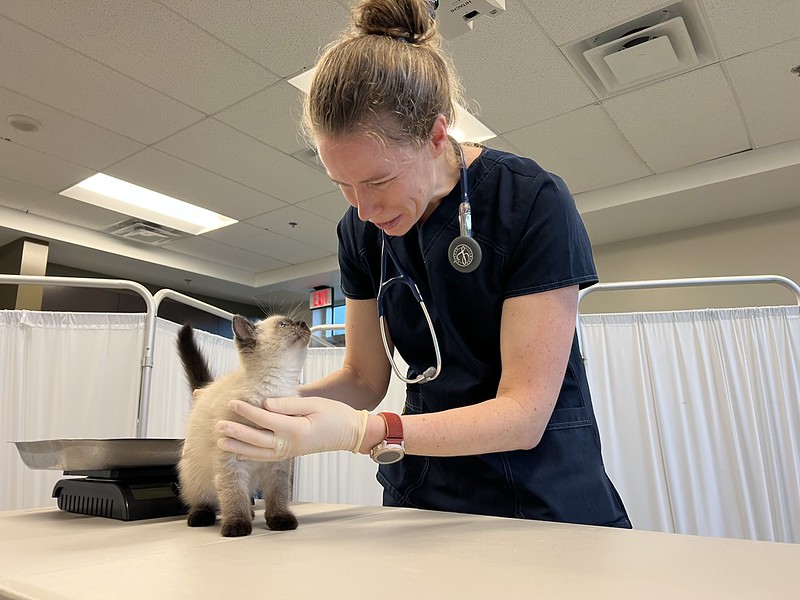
(467, 261)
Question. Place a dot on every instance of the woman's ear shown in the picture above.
(439, 139)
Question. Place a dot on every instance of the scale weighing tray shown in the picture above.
(127, 478)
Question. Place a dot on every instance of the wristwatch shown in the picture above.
(391, 449)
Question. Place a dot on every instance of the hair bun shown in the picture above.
(406, 20)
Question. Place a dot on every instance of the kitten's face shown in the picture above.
(276, 338)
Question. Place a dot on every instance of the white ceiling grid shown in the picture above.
(190, 98)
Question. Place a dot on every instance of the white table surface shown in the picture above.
(355, 552)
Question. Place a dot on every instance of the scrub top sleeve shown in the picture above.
(554, 250)
(355, 279)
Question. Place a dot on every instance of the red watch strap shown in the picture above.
(394, 427)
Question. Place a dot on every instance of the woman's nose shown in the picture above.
(366, 205)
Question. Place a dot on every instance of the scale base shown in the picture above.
(124, 494)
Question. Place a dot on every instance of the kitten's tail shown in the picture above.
(194, 363)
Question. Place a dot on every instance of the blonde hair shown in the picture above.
(387, 77)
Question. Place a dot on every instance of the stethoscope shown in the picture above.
(464, 255)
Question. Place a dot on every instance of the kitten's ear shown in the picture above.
(244, 332)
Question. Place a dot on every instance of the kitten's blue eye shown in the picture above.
(283, 324)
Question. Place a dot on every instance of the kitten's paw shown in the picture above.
(236, 527)
(201, 517)
(281, 522)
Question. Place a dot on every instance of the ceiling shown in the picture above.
(190, 98)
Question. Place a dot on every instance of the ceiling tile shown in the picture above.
(681, 121)
(572, 21)
(20, 196)
(502, 143)
(268, 243)
(741, 26)
(218, 252)
(38, 67)
(272, 116)
(66, 210)
(230, 153)
(531, 82)
(584, 147)
(285, 37)
(768, 92)
(309, 227)
(63, 135)
(331, 206)
(151, 44)
(41, 170)
(174, 177)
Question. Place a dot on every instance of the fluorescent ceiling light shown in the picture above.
(465, 129)
(123, 197)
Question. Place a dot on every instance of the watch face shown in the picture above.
(388, 455)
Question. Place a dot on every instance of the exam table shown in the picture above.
(353, 552)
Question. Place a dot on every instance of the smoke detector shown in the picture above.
(145, 232)
(647, 49)
(24, 123)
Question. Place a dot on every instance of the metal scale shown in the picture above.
(125, 479)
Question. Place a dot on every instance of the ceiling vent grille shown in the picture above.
(145, 232)
(647, 49)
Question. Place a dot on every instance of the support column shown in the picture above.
(23, 257)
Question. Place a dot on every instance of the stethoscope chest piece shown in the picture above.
(464, 254)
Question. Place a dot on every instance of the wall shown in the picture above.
(767, 244)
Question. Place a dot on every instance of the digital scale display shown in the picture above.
(150, 492)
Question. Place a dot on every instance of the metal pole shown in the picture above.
(689, 282)
(149, 326)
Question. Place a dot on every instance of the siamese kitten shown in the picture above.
(271, 355)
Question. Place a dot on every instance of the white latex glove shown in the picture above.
(289, 427)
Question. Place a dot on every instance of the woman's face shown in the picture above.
(391, 186)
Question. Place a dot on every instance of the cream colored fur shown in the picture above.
(272, 353)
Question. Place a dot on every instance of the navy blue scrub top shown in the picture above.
(533, 240)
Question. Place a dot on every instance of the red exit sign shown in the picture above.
(321, 298)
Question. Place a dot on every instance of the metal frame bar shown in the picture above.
(149, 326)
(322, 328)
(152, 304)
(690, 282)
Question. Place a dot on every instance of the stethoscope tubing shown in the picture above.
(430, 373)
(465, 228)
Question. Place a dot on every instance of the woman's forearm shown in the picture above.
(497, 425)
(345, 385)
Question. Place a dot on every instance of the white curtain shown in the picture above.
(63, 375)
(699, 413)
(341, 477)
(77, 375)
(170, 397)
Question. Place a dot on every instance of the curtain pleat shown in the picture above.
(170, 397)
(699, 413)
(63, 375)
(341, 477)
(77, 375)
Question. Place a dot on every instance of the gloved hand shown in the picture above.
(289, 427)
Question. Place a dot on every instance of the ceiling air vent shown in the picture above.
(646, 49)
(145, 232)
